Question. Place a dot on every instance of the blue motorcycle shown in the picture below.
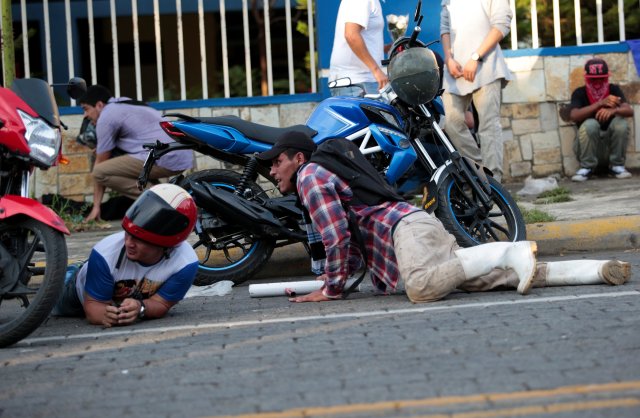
(240, 224)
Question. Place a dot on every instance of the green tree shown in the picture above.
(8, 51)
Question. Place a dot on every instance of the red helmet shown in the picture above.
(163, 215)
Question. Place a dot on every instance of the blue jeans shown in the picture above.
(69, 303)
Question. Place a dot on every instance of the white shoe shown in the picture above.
(582, 174)
(567, 273)
(620, 172)
(519, 256)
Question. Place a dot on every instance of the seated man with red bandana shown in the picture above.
(599, 109)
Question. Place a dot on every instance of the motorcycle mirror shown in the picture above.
(416, 16)
(76, 87)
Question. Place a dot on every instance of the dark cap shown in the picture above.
(295, 140)
(596, 67)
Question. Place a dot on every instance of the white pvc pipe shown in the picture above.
(290, 288)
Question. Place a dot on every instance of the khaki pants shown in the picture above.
(121, 174)
(428, 265)
(597, 148)
(487, 101)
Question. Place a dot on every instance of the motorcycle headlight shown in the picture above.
(44, 141)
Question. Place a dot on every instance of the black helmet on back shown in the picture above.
(414, 75)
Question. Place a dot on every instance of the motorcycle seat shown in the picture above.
(262, 133)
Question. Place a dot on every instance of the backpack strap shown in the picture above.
(357, 236)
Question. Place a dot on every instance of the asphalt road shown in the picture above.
(569, 351)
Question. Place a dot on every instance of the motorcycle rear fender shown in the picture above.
(221, 137)
(12, 205)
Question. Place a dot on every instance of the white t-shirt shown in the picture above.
(110, 275)
(344, 63)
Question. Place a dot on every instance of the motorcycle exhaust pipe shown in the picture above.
(237, 210)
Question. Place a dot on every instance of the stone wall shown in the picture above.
(537, 141)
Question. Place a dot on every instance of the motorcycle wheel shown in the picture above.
(222, 258)
(460, 212)
(43, 251)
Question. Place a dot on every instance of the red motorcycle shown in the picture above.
(33, 251)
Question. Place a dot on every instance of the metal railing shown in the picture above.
(29, 11)
(67, 14)
(557, 23)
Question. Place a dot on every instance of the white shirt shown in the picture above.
(344, 63)
(468, 23)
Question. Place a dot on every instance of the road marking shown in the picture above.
(413, 310)
(488, 399)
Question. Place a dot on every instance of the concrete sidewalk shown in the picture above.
(603, 215)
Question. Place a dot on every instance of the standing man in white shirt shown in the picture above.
(476, 70)
(358, 48)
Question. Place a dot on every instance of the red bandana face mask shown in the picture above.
(597, 88)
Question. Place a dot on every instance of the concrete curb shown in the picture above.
(553, 238)
(614, 233)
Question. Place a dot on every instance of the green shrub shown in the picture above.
(532, 216)
(557, 195)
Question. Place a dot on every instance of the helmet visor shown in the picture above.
(153, 214)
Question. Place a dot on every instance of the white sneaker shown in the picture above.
(582, 174)
(620, 172)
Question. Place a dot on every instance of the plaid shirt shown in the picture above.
(323, 194)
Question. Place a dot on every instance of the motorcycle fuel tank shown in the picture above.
(342, 116)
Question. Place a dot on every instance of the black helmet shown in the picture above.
(415, 75)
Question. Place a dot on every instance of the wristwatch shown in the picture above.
(476, 57)
(142, 309)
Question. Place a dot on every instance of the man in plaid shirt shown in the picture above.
(403, 241)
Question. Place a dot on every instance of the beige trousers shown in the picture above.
(487, 101)
(428, 265)
(121, 174)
